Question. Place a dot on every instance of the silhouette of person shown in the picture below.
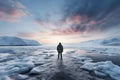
(60, 50)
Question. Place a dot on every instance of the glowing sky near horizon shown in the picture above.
(54, 21)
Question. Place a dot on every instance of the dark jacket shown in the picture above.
(60, 48)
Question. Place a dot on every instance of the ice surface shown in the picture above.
(16, 61)
(11, 68)
(109, 41)
(81, 59)
(21, 77)
(4, 50)
(77, 57)
(26, 61)
(4, 55)
(104, 68)
(110, 51)
(101, 69)
(36, 71)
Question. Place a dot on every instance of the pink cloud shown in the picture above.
(11, 10)
(74, 19)
(45, 23)
(69, 31)
(76, 25)
(73, 25)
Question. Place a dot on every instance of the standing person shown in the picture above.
(60, 50)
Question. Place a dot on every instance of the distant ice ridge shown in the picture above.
(110, 41)
(106, 68)
(15, 41)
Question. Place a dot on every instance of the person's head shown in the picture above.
(59, 43)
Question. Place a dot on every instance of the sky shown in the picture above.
(54, 21)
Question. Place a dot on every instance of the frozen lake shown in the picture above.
(41, 63)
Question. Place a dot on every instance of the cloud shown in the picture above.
(75, 25)
(47, 25)
(84, 17)
(11, 10)
(89, 16)
(91, 8)
(43, 23)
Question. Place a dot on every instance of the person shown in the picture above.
(60, 50)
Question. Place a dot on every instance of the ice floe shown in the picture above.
(103, 68)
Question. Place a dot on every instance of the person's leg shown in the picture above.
(61, 56)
